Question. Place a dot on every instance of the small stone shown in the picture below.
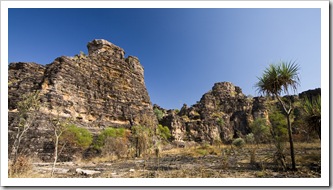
(86, 172)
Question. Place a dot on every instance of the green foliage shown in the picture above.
(260, 130)
(30, 102)
(278, 78)
(77, 137)
(239, 142)
(250, 138)
(279, 125)
(279, 133)
(312, 110)
(27, 112)
(109, 132)
(159, 114)
(177, 111)
(202, 152)
(141, 139)
(163, 132)
(220, 122)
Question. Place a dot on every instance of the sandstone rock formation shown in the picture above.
(222, 114)
(97, 90)
(105, 89)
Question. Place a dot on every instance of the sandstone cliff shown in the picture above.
(97, 90)
(105, 89)
(222, 114)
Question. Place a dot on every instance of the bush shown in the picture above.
(279, 125)
(260, 130)
(279, 133)
(141, 139)
(249, 138)
(22, 166)
(115, 145)
(77, 137)
(163, 132)
(113, 141)
(159, 114)
(239, 142)
(109, 132)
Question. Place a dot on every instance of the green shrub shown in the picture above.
(109, 132)
(249, 138)
(141, 139)
(279, 125)
(260, 130)
(113, 141)
(159, 114)
(163, 132)
(239, 142)
(77, 137)
(280, 135)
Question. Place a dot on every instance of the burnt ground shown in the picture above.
(197, 162)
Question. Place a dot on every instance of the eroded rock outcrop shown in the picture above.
(97, 90)
(222, 114)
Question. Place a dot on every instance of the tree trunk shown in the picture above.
(291, 142)
(55, 154)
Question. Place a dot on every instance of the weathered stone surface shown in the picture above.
(105, 89)
(98, 90)
(222, 114)
(224, 111)
(23, 78)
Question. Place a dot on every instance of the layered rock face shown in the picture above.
(105, 89)
(97, 90)
(222, 114)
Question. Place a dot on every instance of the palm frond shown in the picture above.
(288, 72)
(278, 78)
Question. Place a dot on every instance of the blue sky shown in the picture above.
(184, 51)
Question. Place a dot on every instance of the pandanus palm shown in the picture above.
(277, 79)
(312, 108)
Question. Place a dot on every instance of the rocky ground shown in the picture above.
(194, 162)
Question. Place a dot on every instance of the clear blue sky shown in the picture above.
(184, 51)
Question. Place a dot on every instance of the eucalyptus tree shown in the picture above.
(278, 79)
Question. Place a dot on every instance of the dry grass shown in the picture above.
(205, 161)
(196, 150)
(23, 168)
(100, 159)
